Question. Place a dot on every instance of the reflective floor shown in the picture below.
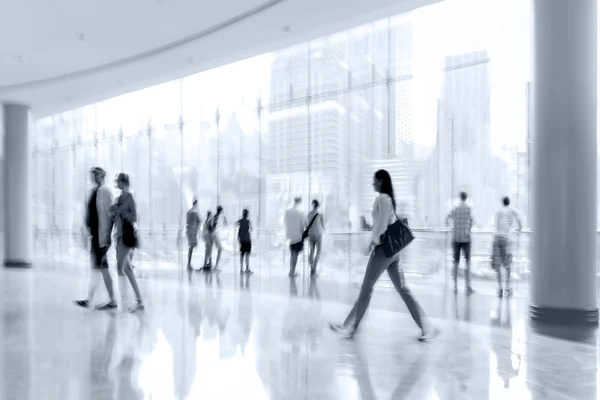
(221, 336)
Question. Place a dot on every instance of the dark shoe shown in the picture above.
(82, 303)
(249, 272)
(107, 306)
(470, 291)
(509, 292)
(293, 274)
(455, 290)
(343, 332)
(500, 293)
(433, 332)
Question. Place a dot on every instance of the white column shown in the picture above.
(563, 284)
(18, 190)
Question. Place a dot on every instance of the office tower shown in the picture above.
(401, 99)
(464, 137)
(318, 144)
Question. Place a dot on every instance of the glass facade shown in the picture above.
(313, 120)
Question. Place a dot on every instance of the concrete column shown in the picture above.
(563, 284)
(18, 186)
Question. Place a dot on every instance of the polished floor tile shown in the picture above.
(221, 336)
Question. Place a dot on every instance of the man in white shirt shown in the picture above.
(506, 218)
(295, 224)
(99, 222)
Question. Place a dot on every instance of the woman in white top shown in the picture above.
(384, 214)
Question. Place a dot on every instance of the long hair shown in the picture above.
(386, 185)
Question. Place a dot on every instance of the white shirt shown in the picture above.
(383, 215)
(295, 224)
(104, 200)
(505, 219)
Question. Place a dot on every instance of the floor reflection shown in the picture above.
(226, 335)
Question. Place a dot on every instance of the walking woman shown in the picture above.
(125, 215)
(384, 214)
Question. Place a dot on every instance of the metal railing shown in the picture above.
(344, 251)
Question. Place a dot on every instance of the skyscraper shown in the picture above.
(464, 138)
(318, 133)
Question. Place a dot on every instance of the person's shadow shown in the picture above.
(313, 290)
(467, 307)
(508, 361)
(245, 282)
(417, 366)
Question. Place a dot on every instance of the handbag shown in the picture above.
(396, 237)
(305, 233)
(129, 238)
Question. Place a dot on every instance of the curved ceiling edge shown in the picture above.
(146, 54)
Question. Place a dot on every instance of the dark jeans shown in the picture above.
(466, 250)
(378, 263)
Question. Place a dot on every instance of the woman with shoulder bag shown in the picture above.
(125, 215)
(389, 236)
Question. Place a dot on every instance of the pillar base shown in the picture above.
(564, 316)
(17, 264)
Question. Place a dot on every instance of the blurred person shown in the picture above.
(461, 220)
(218, 220)
(295, 224)
(384, 214)
(100, 225)
(193, 222)
(208, 236)
(315, 237)
(244, 229)
(125, 215)
(506, 218)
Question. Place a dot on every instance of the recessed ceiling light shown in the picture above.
(81, 37)
(286, 28)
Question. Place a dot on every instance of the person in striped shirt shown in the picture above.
(461, 220)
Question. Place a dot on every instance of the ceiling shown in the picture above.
(57, 55)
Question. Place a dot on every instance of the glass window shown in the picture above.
(439, 97)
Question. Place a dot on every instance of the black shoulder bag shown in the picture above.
(396, 237)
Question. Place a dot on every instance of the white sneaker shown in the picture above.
(342, 331)
(136, 307)
(433, 332)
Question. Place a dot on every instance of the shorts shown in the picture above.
(313, 241)
(466, 249)
(216, 240)
(501, 252)
(124, 255)
(98, 255)
(246, 247)
(297, 247)
(192, 240)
